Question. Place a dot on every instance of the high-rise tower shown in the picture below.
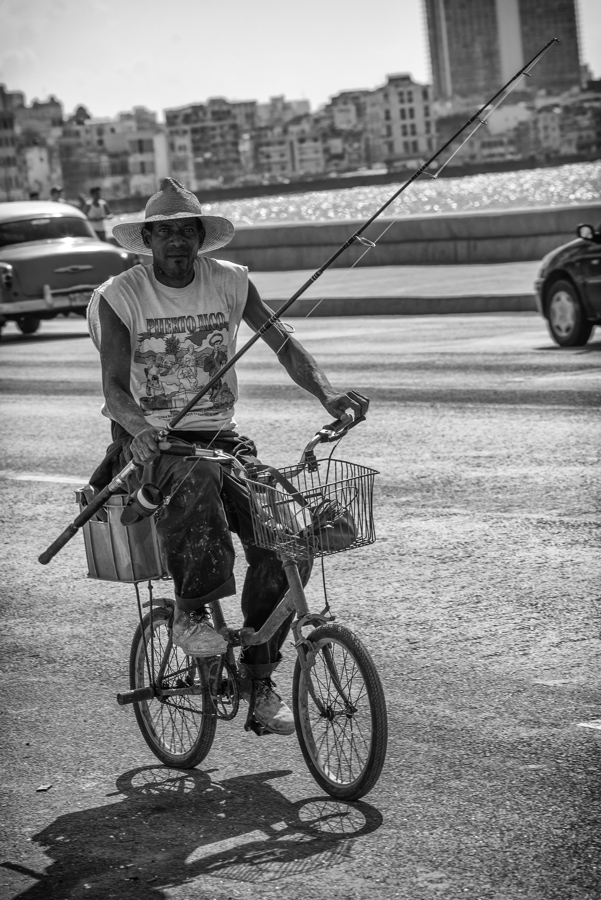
(477, 45)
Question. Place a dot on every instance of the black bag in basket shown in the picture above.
(333, 527)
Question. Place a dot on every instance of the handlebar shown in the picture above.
(337, 429)
(327, 434)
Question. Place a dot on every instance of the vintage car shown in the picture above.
(50, 262)
(568, 288)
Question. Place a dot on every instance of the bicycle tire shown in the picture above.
(178, 729)
(344, 745)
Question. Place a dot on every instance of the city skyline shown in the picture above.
(312, 56)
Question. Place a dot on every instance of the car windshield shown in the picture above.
(47, 228)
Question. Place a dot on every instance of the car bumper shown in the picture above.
(77, 298)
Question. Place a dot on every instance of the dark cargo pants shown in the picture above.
(205, 504)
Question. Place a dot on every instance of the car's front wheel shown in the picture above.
(28, 324)
(565, 315)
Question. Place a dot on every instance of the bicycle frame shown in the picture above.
(293, 602)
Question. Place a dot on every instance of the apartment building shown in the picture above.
(580, 126)
(305, 147)
(92, 153)
(400, 122)
(126, 156)
(476, 46)
(271, 151)
(180, 159)
(279, 111)
(42, 117)
(246, 114)
(138, 136)
(347, 109)
(547, 126)
(12, 180)
(204, 141)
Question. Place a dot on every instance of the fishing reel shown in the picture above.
(142, 504)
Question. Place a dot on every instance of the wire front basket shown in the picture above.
(323, 507)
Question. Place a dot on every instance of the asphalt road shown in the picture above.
(480, 603)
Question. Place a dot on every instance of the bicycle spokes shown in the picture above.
(340, 713)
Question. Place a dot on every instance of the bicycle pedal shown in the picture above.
(257, 727)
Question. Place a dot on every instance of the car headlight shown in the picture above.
(6, 275)
(130, 259)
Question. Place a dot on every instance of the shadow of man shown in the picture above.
(176, 827)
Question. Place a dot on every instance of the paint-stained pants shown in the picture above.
(194, 531)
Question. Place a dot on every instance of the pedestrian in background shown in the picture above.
(55, 194)
(97, 210)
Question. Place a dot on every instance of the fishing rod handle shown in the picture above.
(58, 544)
(86, 514)
(71, 530)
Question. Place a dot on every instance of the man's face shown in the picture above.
(175, 245)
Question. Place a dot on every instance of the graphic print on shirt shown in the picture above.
(179, 355)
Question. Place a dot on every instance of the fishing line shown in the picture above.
(275, 318)
(490, 107)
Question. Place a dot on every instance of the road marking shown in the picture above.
(40, 476)
(594, 723)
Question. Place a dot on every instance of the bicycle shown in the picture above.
(316, 508)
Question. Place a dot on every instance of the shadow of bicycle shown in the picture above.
(174, 828)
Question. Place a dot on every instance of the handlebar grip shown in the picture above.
(336, 429)
(58, 544)
(174, 450)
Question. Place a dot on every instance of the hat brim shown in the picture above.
(218, 232)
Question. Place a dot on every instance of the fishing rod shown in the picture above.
(119, 480)
(357, 236)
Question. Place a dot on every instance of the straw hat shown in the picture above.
(174, 201)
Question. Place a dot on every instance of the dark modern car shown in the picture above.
(50, 262)
(568, 288)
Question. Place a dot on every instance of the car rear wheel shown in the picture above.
(565, 314)
(28, 325)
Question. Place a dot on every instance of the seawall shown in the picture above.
(459, 239)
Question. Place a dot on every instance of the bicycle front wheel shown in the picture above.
(341, 721)
(178, 728)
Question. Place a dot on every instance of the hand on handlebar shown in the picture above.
(348, 407)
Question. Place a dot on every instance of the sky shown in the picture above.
(111, 55)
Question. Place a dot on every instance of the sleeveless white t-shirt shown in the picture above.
(180, 338)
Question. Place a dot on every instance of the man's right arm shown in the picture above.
(115, 359)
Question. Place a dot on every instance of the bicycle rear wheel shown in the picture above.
(178, 729)
(342, 730)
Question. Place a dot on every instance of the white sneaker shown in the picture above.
(194, 634)
(270, 710)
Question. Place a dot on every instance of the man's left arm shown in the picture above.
(298, 362)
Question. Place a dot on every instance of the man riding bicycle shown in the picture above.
(163, 330)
